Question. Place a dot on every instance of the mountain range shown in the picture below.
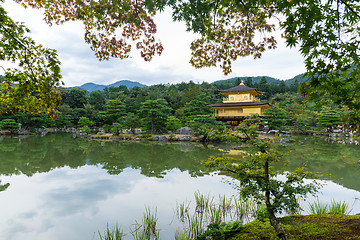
(93, 87)
(130, 84)
(300, 78)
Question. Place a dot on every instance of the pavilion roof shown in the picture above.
(241, 88)
(239, 104)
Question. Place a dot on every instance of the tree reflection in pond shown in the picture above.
(37, 154)
(73, 186)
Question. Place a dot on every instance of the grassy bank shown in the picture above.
(212, 218)
(326, 226)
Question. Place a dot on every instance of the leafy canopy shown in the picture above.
(154, 114)
(31, 87)
(258, 172)
(326, 32)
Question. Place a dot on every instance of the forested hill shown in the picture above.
(220, 84)
(93, 87)
(256, 80)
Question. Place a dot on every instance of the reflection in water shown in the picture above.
(43, 154)
(337, 161)
(65, 188)
(74, 204)
(3, 187)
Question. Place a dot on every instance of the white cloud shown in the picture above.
(79, 65)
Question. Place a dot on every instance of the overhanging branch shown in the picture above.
(350, 8)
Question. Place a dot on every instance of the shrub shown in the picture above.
(115, 128)
(9, 124)
(220, 231)
(148, 135)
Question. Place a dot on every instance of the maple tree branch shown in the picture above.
(242, 3)
(216, 8)
(338, 21)
(25, 48)
(350, 8)
(257, 176)
(286, 183)
(13, 36)
(250, 176)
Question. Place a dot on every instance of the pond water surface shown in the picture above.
(66, 188)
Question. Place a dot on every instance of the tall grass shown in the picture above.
(112, 234)
(208, 211)
(259, 211)
(202, 201)
(318, 208)
(225, 205)
(333, 207)
(195, 226)
(216, 214)
(150, 221)
(181, 235)
(146, 230)
(243, 208)
(182, 210)
(339, 207)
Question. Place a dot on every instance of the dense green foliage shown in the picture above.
(328, 119)
(326, 33)
(182, 104)
(330, 226)
(9, 124)
(275, 118)
(220, 231)
(257, 174)
(30, 87)
(42, 154)
(154, 114)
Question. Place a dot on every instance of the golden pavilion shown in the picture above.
(239, 102)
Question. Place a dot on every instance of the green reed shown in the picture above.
(195, 226)
(339, 207)
(182, 210)
(296, 210)
(216, 214)
(225, 205)
(333, 207)
(243, 208)
(206, 212)
(202, 201)
(112, 234)
(146, 230)
(181, 235)
(259, 211)
(150, 221)
(318, 208)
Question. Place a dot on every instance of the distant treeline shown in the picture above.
(165, 107)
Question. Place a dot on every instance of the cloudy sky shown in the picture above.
(79, 64)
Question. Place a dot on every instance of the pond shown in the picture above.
(66, 188)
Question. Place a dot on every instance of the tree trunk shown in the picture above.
(280, 232)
